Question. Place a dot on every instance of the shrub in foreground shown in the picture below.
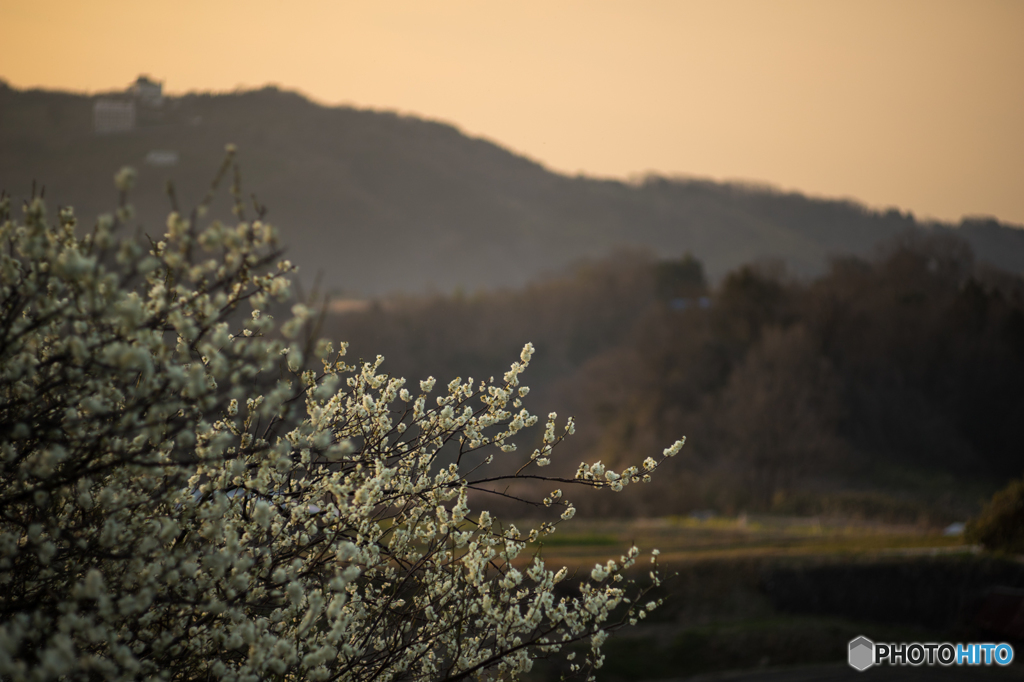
(189, 492)
(1000, 525)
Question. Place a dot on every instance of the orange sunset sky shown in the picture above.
(914, 104)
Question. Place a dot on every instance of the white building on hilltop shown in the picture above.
(148, 92)
(118, 114)
(113, 116)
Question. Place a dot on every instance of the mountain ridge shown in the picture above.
(379, 201)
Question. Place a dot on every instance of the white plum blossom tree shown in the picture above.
(188, 491)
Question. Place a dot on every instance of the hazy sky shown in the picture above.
(918, 105)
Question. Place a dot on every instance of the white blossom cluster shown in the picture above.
(189, 491)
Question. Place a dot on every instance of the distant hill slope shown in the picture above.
(379, 202)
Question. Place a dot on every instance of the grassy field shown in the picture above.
(686, 539)
(779, 598)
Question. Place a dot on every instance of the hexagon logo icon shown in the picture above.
(862, 653)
